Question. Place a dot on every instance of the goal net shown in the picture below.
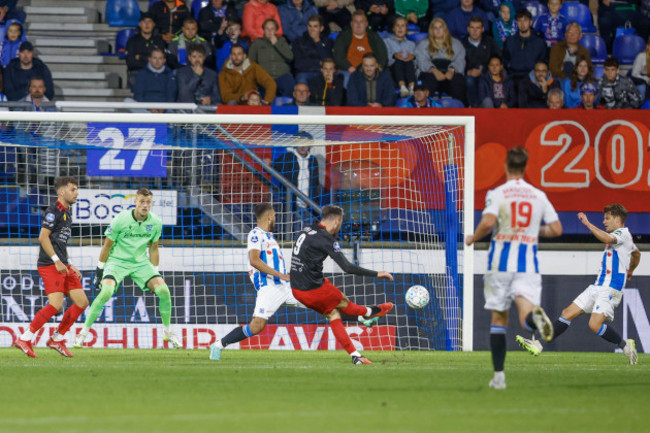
(405, 184)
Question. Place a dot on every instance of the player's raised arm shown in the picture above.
(46, 243)
(258, 263)
(601, 235)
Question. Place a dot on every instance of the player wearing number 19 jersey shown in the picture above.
(514, 212)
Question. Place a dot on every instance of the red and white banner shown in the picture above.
(582, 159)
(274, 337)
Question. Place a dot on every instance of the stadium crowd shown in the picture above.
(409, 53)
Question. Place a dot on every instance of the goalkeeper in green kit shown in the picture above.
(124, 254)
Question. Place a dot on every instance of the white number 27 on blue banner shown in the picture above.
(127, 149)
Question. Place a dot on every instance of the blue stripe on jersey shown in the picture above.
(263, 276)
(603, 270)
(503, 260)
(535, 259)
(618, 279)
(276, 266)
(491, 255)
(521, 260)
(256, 280)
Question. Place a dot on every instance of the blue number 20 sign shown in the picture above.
(127, 149)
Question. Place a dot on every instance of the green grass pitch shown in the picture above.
(261, 391)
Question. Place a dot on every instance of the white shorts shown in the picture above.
(600, 300)
(272, 297)
(501, 288)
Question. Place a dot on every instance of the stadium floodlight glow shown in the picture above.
(405, 182)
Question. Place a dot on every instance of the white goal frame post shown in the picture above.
(467, 122)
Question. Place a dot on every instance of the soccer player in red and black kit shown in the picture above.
(311, 288)
(59, 276)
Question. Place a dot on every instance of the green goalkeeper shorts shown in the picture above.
(140, 273)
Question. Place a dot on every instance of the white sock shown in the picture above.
(500, 375)
(368, 311)
(355, 353)
(57, 337)
(85, 330)
(219, 344)
(27, 335)
(166, 329)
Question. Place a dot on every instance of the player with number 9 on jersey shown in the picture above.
(312, 289)
(513, 213)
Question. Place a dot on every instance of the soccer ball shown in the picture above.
(417, 297)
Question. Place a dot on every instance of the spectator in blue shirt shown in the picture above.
(458, 19)
(156, 82)
(420, 98)
(294, 15)
(552, 24)
(582, 73)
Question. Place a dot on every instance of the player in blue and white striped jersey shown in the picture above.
(620, 258)
(513, 213)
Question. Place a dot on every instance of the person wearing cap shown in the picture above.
(169, 16)
(420, 98)
(22, 69)
(588, 94)
(139, 46)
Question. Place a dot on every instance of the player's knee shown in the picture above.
(83, 303)
(58, 304)
(162, 291)
(595, 326)
(106, 292)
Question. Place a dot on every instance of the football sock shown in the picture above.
(355, 310)
(560, 325)
(609, 334)
(238, 334)
(71, 315)
(342, 336)
(43, 315)
(529, 324)
(498, 346)
(164, 304)
(98, 304)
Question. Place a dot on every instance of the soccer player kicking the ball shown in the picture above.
(515, 211)
(600, 299)
(124, 254)
(312, 289)
(268, 273)
(59, 276)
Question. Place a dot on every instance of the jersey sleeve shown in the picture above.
(158, 232)
(114, 229)
(334, 251)
(620, 237)
(255, 240)
(491, 203)
(49, 220)
(550, 215)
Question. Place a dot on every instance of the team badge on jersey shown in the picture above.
(337, 247)
(254, 239)
(149, 228)
(50, 217)
(110, 230)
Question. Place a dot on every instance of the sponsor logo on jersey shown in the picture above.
(65, 217)
(50, 217)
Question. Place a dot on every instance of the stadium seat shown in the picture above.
(282, 100)
(417, 37)
(626, 47)
(646, 105)
(413, 28)
(576, 11)
(333, 35)
(599, 71)
(596, 47)
(535, 8)
(451, 103)
(121, 38)
(401, 101)
(152, 2)
(122, 13)
(197, 5)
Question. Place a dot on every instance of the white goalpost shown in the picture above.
(406, 184)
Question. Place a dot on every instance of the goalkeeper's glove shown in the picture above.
(99, 276)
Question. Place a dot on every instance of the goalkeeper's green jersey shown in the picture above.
(132, 237)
